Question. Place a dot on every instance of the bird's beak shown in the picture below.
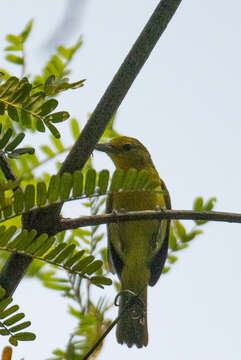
(106, 147)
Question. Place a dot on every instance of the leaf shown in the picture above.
(57, 117)
(4, 140)
(18, 201)
(65, 186)
(90, 182)
(77, 183)
(9, 86)
(180, 229)
(83, 263)
(101, 280)
(14, 39)
(117, 180)
(15, 59)
(198, 204)
(75, 130)
(53, 190)
(97, 264)
(103, 181)
(47, 107)
(53, 129)
(25, 33)
(13, 319)
(25, 336)
(19, 327)
(75, 258)
(16, 141)
(41, 193)
(21, 151)
(29, 197)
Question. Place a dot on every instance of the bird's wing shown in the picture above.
(159, 258)
(114, 260)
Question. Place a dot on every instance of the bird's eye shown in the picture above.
(127, 147)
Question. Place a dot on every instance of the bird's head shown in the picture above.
(127, 152)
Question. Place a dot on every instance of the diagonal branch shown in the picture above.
(67, 224)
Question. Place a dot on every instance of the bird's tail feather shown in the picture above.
(132, 326)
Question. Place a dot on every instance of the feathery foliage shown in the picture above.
(9, 317)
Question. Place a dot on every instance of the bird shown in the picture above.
(136, 250)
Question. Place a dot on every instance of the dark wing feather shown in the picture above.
(158, 262)
(114, 260)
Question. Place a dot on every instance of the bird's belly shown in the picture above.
(138, 238)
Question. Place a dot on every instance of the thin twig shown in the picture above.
(67, 224)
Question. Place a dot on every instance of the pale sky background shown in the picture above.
(185, 107)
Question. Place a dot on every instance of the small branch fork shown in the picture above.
(67, 224)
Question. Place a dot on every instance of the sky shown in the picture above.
(185, 107)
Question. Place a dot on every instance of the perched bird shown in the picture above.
(137, 250)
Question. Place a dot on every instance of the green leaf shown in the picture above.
(9, 311)
(25, 336)
(2, 290)
(40, 125)
(117, 180)
(75, 130)
(180, 229)
(41, 193)
(103, 181)
(53, 190)
(172, 259)
(97, 264)
(16, 141)
(101, 280)
(21, 326)
(74, 258)
(47, 245)
(14, 39)
(25, 33)
(65, 186)
(21, 151)
(15, 59)
(4, 303)
(209, 204)
(9, 86)
(29, 197)
(48, 107)
(53, 253)
(57, 117)
(77, 183)
(80, 266)
(13, 319)
(37, 244)
(172, 240)
(198, 204)
(4, 140)
(53, 129)
(8, 234)
(66, 253)
(90, 181)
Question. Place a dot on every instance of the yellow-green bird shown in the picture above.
(137, 250)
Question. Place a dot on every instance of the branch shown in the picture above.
(67, 224)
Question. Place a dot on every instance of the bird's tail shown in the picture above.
(132, 326)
